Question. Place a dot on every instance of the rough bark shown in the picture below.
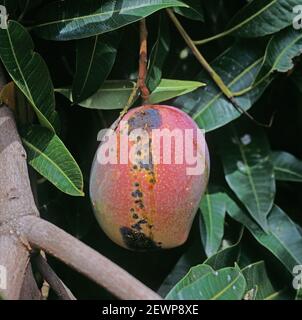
(16, 201)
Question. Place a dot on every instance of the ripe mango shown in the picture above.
(142, 200)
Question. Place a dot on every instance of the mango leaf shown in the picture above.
(282, 239)
(193, 275)
(95, 59)
(280, 52)
(76, 19)
(238, 68)
(168, 89)
(287, 167)
(194, 12)
(47, 154)
(191, 257)
(115, 94)
(29, 72)
(262, 17)
(245, 153)
(225, 257)
(256, 278)
(158, 54)
(213, 209)
(224, 284)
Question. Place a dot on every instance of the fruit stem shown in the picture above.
(227, 92)
(143, 62)
(213, 74)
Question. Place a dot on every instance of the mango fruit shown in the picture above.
(145, 198)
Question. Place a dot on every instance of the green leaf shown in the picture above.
(193, 275)
(191, 257)
(225, 284)
(280, 52)
(115, 94)
(158, 54)
(29, 72)
(282, 239)
(263, 17)
(194, 12)
(225, 257)
(287, 167)
(256, 278)
(168, 89)
(95, 59)
(76, 19)
(213, 209)
(249, 172)
(238, 67)
(47, 154)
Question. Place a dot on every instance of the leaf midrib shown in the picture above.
(275, 64)
(90, 66)
(249, 173)
(225, 288)
(238, 26)
(287, 171)
(208, 105)
(26, 142)
(96, 15)
(18, 66)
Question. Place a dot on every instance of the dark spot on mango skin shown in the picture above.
(147, 119)
(139, 203)
(137, 194)
(136, 240)
(137, 226)
(146, 166)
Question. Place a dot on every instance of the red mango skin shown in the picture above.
(148, 208)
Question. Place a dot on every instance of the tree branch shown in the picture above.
(14, 203)
(51, 277)
(30, 290)
(56, 242)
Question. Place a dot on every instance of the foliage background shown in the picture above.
(243, 170)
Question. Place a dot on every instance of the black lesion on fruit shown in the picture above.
(147, 119)
(136, 240)
(146, 166)
(139, 203)
(137, 194)
(135, 216)
(137, 226)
